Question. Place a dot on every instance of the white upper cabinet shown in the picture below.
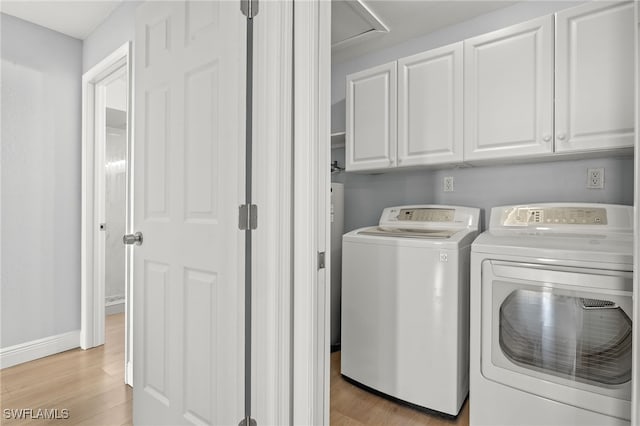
(595, 77)
(561, 83)
(371, 119)
(509, 92)
(430, 107)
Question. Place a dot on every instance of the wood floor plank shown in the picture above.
(83, 408)
(338, 419)
(118, 415)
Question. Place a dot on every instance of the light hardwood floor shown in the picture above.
(90, 384)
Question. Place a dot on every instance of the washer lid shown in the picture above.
(409, 232)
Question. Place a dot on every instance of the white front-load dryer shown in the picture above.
(405, 305)
(551, 309)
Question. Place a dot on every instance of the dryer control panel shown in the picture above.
(536, 216)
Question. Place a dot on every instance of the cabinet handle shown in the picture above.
(399, 160)
(546, 138)
(561, 136)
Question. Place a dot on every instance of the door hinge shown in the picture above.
(249, 8)
(321, 256)
(248, 421)
(248, 217)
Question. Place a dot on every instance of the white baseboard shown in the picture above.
(129, 375)
(28, 351)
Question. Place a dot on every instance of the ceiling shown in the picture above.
(77, 19)
(358, 26)
(353, 35)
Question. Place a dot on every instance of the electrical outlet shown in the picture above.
(595, 178)
(447, 184)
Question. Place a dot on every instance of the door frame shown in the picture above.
(311, 185)
(271, 345)
(92, 301)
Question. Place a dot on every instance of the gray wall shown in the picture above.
(40, 195)
(41, 181)
(367, 194)
(113, 33)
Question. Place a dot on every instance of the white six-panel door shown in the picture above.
(371, 118)
(188, 171)
(509, 91)
(594, 77)
(430, 107)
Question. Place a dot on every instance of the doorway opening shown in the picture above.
(106, 200)
(115, 186)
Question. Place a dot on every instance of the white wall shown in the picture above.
(40, 179)
(485, 187)
(113, 33)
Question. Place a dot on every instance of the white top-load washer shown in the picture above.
(551, 309)
(405, 305)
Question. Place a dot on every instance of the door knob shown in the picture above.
(561, 136)
(546, 138)
(133, 238)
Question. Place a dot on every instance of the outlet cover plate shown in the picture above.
(447, 184)
(595, 178)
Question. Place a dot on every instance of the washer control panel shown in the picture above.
(535, 216)
(430, 216)
(425, 215)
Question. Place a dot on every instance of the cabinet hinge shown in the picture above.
(248, 421)
(321, 263)
(248, 217)
(249, 8)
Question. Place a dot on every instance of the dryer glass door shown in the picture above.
(563, 333)
(578, 338)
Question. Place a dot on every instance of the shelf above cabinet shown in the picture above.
(337, 140)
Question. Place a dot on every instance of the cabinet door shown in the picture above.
(371, 119)
(595, 77)
(509, 92)
(430, 107)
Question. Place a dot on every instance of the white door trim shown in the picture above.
(311, 192)
(92, 300)
(271, 241)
